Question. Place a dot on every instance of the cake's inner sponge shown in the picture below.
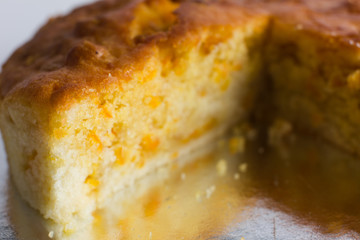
(181, 99)
(315, 85)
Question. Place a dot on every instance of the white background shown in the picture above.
(19, 20)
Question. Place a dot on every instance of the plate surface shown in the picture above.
(309, 191)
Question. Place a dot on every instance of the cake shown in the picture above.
(112, 91)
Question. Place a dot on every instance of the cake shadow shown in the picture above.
(315, 182)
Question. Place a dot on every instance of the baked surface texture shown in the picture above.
(102, 96)
(116, 89)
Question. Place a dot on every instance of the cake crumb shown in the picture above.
(183, 176)
(236, 176)
(210, 191)
(243, 167)
(221, 167)
(252, 134)
(198, 196)
(246, 130)
(278, 131)
(51, 234)
(237, 144)
(353, 80)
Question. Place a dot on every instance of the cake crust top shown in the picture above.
(106, 43)
(110, 41)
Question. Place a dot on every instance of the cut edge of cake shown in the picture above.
(70, 153)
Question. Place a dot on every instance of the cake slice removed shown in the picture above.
(103, 96)
(313, 60)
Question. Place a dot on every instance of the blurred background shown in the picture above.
(20, 19)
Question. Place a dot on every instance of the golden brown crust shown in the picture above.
(336, 20)
(75, 54)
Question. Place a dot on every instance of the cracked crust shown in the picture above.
(84, 52)
(74, 55)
